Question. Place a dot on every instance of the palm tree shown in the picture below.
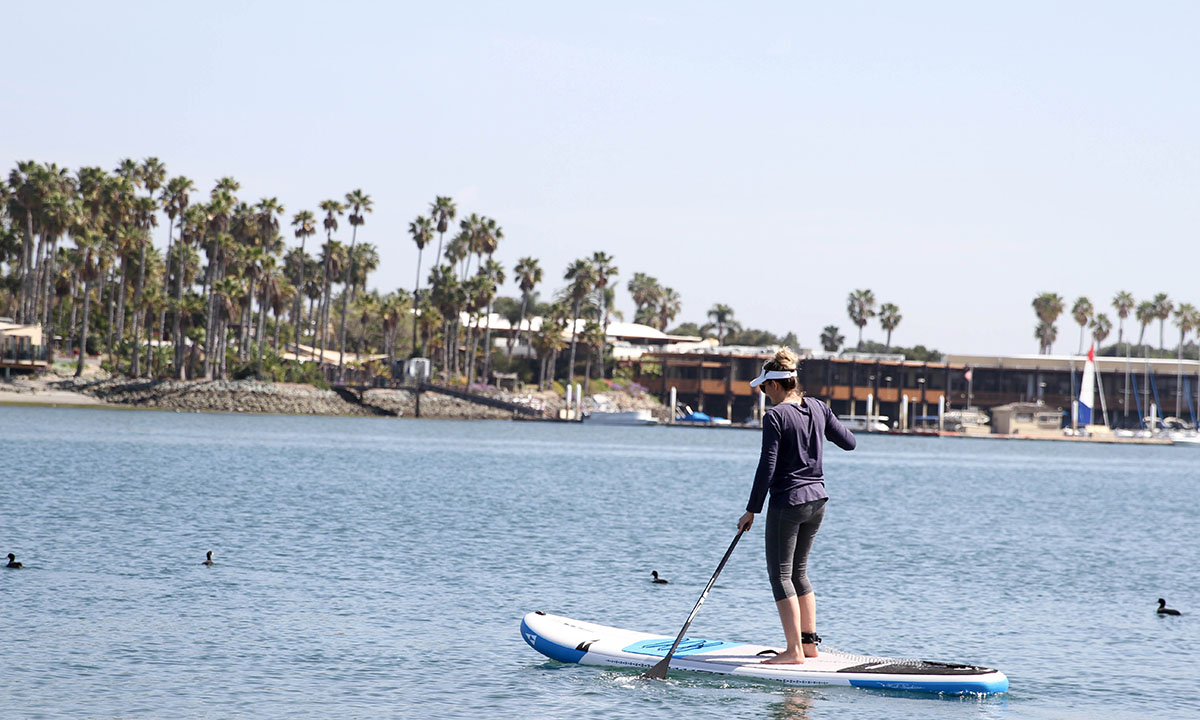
(529, 274)
(1145, 313)
(305, 224)
(889, 318)
(87, 240)
(283, 292)
(447, 295)
(582, 275)
(24, 201)
(228, 292)
(1186, 319)
(1046, 333)
(1162, 310)
(175, 200)
(1122, 302)
(1047, 306)
(594, 339)
(221, 208)
(1082, 311)
(144, 218)
(494, 274)
(391, 311)
(548, 341)
(1101, 327)
(646, 293)
(722, 319)
(421, 231)
(605, 271)
(333, 263)
(861, 307)
(442, 211)
(333, 209)
(832, 338)
(154, 175)
(669, 305)
(359, 204)
(366, 305)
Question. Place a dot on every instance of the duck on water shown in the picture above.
(1162, 607)
(12, 563)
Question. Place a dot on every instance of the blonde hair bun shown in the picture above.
(784, 359)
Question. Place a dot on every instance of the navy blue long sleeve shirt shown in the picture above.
(792, 444)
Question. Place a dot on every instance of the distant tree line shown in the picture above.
(1048, 307)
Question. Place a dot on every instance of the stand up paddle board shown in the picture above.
(575, 641)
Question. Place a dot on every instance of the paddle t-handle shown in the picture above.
(659, 671)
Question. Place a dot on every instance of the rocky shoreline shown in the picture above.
(253, 396)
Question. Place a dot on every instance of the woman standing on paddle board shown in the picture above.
(789, 469)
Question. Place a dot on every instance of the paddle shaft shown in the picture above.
(659, 671)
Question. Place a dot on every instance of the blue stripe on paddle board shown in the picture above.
(958, 687)
(659, 647)
(553, 650)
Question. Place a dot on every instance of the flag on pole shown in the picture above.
(967, 375)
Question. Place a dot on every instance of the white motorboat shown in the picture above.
(622, 417)
(1185, 438)
(865, 423)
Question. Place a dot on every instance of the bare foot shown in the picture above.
(785, 658)
(810, 650)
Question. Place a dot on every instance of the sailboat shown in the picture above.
(1084, 406)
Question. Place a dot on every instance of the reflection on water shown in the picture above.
(792, 705)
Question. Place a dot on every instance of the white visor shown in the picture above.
(766, 375)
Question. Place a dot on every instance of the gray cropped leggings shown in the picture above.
(790, 532)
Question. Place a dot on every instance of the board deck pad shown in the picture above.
(568, 640)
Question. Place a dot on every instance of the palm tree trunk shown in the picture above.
(123, 291)
(299, 305)
(571, 360)
(345, 303)
(110, 307)
(416, 300)
(83, 328)
(515, 333)
(149, 351)
(26, 269)
(261, 332)
(587, 372)
(74, 307)
(177, 321)
(311, 302)
(138, 310)
(487, 345)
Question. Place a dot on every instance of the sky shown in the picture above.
(954, 158)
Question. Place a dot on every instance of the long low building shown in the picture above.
(717, 380)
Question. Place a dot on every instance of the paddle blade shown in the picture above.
(659, 671)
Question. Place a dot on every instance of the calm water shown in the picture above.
(380, 568)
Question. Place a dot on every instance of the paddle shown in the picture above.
(659, 671)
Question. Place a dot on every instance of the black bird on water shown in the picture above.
(12, 563)
(208, 559)
(657, 579)
(1164, 610)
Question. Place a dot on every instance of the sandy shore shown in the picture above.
(21, 391)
